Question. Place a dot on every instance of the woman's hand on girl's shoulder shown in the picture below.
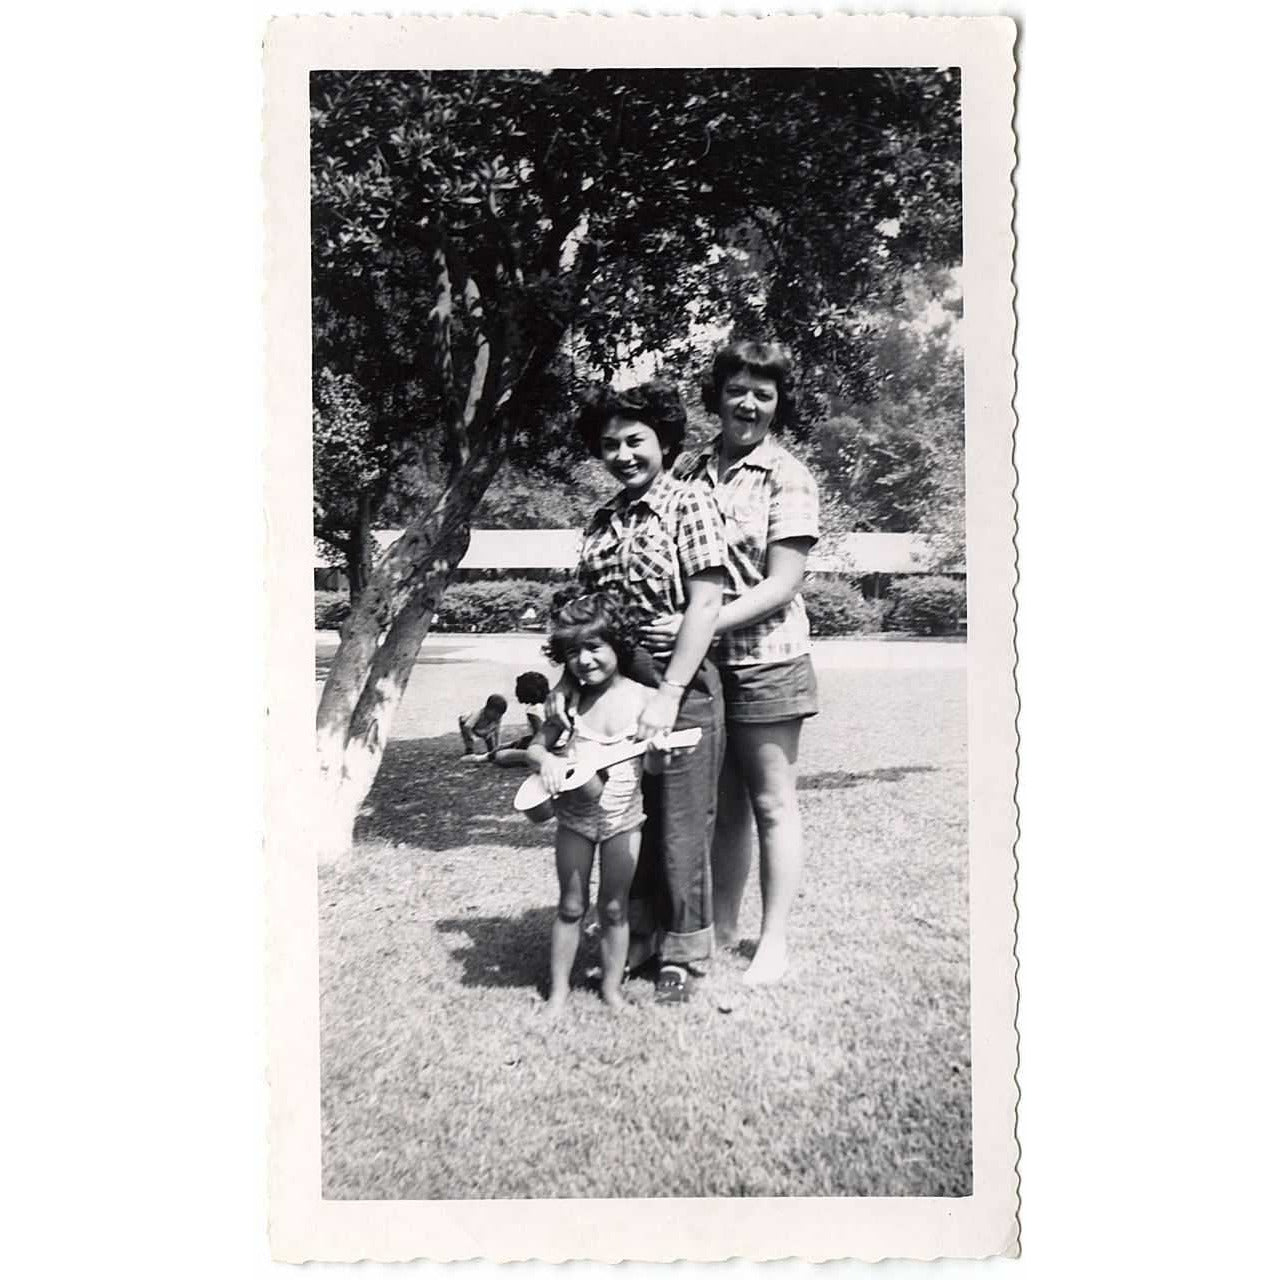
(659, 713)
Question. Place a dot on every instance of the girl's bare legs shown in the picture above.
(573, 867)
(618, 855)
(731, 847)
(766, 755)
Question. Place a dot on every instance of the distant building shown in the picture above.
(873, 559)
(870, 559)
(493, 553)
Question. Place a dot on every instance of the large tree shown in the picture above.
(485, 242)
(894, 461)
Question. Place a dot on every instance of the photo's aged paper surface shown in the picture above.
(343, 1188)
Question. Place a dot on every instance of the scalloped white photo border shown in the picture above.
(303, 1225)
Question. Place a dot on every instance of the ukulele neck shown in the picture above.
(606, 757)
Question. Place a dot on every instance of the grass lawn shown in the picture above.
(440, 1079)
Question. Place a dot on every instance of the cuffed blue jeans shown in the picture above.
(671, 890)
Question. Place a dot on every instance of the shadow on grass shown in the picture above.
(835, 780)
(505, 951)
(425, 795)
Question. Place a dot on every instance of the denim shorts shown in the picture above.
(767, 692)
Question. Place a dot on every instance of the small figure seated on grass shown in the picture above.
(483, 726)
(531, 692)
(592, 635)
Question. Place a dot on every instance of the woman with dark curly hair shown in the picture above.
(659, 545)
(769, 503)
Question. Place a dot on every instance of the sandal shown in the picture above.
(643, 969)
(673, 984)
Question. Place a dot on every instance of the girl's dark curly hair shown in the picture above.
(576, 617)
(657, 404)
(765, 360)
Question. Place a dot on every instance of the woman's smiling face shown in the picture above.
(632, 453)
(748, 404)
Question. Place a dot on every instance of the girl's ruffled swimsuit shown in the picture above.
(618, 808)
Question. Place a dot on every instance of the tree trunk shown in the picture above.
(379, 646)
(359, 551)
(357, 579)
(351, 752)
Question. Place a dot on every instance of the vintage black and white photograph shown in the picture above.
(639, 808)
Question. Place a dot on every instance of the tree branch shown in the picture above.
(766, 231)
(487, 390)
(480, 377)
(545, 347)
(440, 335)
(508, 254)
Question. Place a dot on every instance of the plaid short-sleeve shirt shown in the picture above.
(765, 496)
(643, 550)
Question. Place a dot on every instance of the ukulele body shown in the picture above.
(587, 774)
(544, 810)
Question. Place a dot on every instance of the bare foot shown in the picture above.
(613, 997)
(726, 939)
(556, 1002)
(768, 967)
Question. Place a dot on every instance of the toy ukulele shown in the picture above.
(534, 800)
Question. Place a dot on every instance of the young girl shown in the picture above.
(591, 635)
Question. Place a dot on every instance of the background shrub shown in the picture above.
(332, 609)
(493, 606)
(837, 607)
(926, 606)
(929, 606)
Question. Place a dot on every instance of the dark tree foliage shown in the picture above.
(895, 462)
(573, 219)
(486, 243)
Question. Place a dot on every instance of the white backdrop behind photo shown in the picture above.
(138, 1113)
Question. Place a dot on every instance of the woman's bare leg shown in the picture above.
(766, 754)
(573, 867)
(731, 847)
